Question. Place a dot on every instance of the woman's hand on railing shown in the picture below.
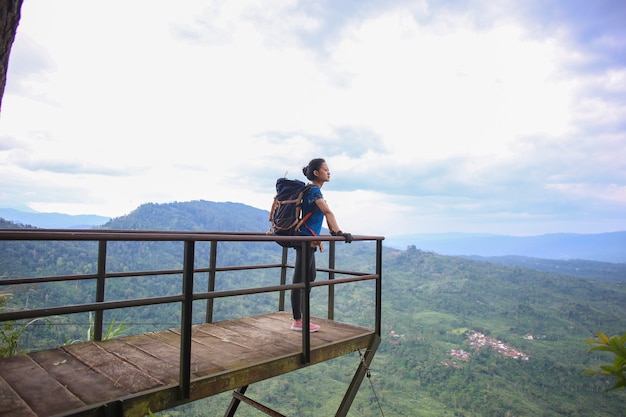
(346, 236)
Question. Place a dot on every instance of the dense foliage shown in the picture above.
(616, 345)
(430, 305)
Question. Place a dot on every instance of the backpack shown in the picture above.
(286, 212)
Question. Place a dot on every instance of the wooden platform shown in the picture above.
(130, 375)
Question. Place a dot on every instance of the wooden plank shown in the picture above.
(276, 335)
(276, 322)
(11, 404)
(230, 351)
(155, 347)
(263, 331)
(226, 349)
(153, 365)
(331, 331)
(203, 361)
(227, 355)
(244, 335)
(272, 334)
(252, 336)
(84, 382)
(43, 394)
(122, 374)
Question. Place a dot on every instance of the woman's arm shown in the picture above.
(331, 221)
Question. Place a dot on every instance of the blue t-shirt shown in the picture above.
(313, 226)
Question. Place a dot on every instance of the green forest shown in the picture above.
(528, 360)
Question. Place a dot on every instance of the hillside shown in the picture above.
(427, 365)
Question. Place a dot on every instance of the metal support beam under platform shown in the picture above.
(361, 372)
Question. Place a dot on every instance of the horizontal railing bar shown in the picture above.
(39, 280)
(153, 235)
(142, 273)
(61, 278)
(342, 272)
(111, 305)
(344, 280)
(239, 268)
(83, 308)
(244, 291)
(274, 288)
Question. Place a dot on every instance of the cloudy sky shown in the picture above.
(494, 116)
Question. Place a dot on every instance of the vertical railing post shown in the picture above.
(379, 285)
(331, 276)
(283, 279)
(186, 321)
(306, 302)
(211, 283)
(100, 288)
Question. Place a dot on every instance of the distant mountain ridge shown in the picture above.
(52, 220)
(230, 216)
(603, 247)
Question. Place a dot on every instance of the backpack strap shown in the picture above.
(309, 214)
(274, 205)
(302, 222)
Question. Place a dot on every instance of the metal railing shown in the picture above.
(187, 295)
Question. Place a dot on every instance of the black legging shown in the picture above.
(296, 295)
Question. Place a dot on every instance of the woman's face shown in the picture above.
(323, 174)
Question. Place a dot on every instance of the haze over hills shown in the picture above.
(603, 247)
(52, 220)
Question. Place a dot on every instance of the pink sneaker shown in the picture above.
(297, 326)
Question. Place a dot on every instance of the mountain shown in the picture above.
(605, 247)
(198, 215)
(432, 303)
(52, 220)
(190, 215)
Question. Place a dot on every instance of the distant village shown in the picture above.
(478, 340)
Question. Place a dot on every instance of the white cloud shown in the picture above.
(432, 118)
(455, 91)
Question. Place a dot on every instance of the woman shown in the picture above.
(313, 202)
